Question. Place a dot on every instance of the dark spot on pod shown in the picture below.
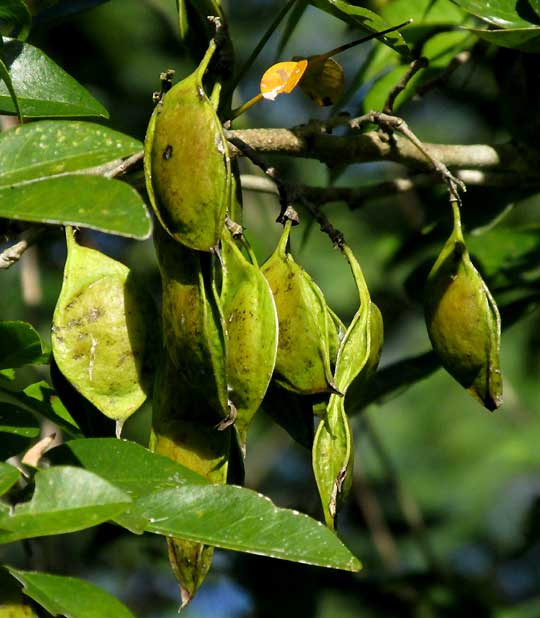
(167, 153)
(327, 101)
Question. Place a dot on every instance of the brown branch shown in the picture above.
(355, 197)
(416, 65)
(13, 254)
(306, 142)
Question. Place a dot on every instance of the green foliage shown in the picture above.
(234, 339)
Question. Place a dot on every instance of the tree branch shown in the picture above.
(310, 142)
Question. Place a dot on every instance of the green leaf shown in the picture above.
(127, 465)
(240, 519)
(8, 477)
(522, 39)
(386, 69)
(66, 499)
(440, 50)
(52, 147)
(20, 344)
(18, 429)
(366, 19)
(6, 77)
(88, 201)
(15, 13)
(43, 88)
(41, 398)
(502, 13)
(69, 596)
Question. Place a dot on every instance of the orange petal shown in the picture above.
(282, 78)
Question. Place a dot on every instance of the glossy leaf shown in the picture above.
(20, 344)
(8, 477)
(522, 39)
(43, 88)
(15, 13)
(69, 596)
(18, 429)
(502, 13)
(87, 201)
(282, 78)
(66, 499)
(37, 150)
(240, 519)
(364, 18)
(126, 465)
(41, 398)
(6, 78)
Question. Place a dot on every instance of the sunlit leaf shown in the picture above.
(69, 596)
(240, 519)
(40, 149)
(43, 88)
(88, 201)
(502, 13)
(20, 344)
(8, 477)
(66, 499)
(364, 18)
(282, 78)
(18, 429)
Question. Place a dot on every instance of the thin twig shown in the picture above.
(119, 168)
(456, 62)
(374, 515)
(390, 123)
(409, 507)
(13, 254)
(289, 194)
(415, 66)
(355, 197)
(285, 200)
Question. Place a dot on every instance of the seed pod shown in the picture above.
(303, 357)
(100, 336)
(193, 327)
(463, 321)
(252, 328)
(357, 359)
(187, 165)
(196, 445)
(333, 458)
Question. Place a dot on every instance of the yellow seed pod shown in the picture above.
(303, 356)
(187, 164)
(103, 332)
(177, 434)
(463, 322)
(251, 320)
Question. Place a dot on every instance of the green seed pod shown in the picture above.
(333, 458)
(193, 327)
(252, 328)
(357, 359)
(463, 321)
(100, 336)
(196, 445)
(187, 164)
(303, 357)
